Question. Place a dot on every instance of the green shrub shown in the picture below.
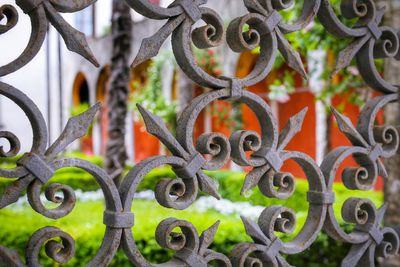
(229, 183)
(74, 177)
(84, 224)
(11, 161)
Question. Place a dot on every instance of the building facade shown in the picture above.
(71, 83)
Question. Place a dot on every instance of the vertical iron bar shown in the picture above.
(48, 82)
(60, 82)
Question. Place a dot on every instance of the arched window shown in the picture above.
(80, 92)
(80, 102)
(103, 84)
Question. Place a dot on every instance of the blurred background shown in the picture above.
(63, 84)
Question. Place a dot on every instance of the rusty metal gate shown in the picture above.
(370, 143)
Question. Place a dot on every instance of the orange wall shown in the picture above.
(146, 145)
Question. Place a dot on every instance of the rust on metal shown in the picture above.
(265, 152)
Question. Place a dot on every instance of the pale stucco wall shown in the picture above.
(31, 79)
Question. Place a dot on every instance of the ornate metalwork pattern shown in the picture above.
(189, 158)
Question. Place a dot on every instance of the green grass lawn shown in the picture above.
(84, 224)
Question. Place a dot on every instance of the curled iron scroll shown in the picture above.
(264, 152)
(41, 14)
(266, 30)
(371, 41)
(177, 193)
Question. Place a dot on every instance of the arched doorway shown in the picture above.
(80, 103)
(102, 88)
(80, 92)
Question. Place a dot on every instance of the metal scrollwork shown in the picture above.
(36, 168)
(378, 241)
(265, 152)
(371, 143)
(9, 13)
(370, 40)
(42, 13)
(60, 253)
(190, 249)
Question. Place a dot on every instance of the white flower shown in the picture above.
(353, 70)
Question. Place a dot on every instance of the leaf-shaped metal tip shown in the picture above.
(346, 55)
(291, 56)
(382, 169)
(296, 122)
(77, 43)
(151, 45)
(334, 73)
(208, 185)
(344, 122)
(13, 191)
(249, 183)
(380, 13)
(153, 122)
(95, 108)
(207, 237)
(381, 213)
(74, 39)
(347, 128)
(253, 230)
(251, 180)
(294, 61)
(94, 61)
(148, 49)
(141, 109)
(156, 126)
(343, 60)
(90, 113)
(299, 117)
(76, 128)
(248, 224)
(292, 128)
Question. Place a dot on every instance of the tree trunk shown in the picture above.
(392, 116)
(116, 155)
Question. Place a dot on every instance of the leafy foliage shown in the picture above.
(230, 183)
(313, 38)
(79, 109)
(208, 60)
(84, 224)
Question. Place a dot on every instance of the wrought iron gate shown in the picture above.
(267, 30)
